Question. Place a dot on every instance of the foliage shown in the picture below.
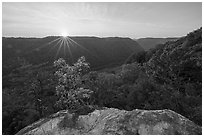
(178, 63)
(144, 56)
(27, 96)
(71, 95)
(166, 77)
(137, 57)
(170, 79)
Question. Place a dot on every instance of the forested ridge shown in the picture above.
(148, 43)
(99, 52)
(166, 77)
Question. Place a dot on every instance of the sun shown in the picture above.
(64, 34)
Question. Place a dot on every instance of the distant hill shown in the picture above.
(99, 52)
(148, 43)
(168, 76)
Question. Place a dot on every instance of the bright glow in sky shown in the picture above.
(133, 20)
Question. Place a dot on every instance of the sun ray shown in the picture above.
(64, 46)
(53, 41)
(64, 43)
(69, 41)
(53, 46)
(59, 48)
(49, 42)
(68, 44)
(70, 53)
(82, 47)
(44, 45)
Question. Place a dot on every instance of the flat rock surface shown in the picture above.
(110, 121)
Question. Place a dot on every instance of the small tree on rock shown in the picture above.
(69, 89)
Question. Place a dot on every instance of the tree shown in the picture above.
(26, 96)
(69, 89)
(139, 57)
(178, 66)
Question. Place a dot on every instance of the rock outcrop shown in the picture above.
(111, 121)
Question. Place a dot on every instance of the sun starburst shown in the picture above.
(64, 34)
(64, 43)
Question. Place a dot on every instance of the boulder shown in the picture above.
(110, 121)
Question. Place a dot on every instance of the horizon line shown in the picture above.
(35, 37)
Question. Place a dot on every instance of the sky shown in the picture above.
(134, 20)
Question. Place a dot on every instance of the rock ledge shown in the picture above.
(110, 121)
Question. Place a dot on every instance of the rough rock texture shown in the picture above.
(114, 122)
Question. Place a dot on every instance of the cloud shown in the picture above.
(121, 19)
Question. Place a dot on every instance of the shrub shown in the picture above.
(71, 95)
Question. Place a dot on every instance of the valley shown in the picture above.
(105, 72)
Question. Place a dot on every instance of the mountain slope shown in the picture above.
(148, 43)
(182, 58)
(167, 77)
(99, 52)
